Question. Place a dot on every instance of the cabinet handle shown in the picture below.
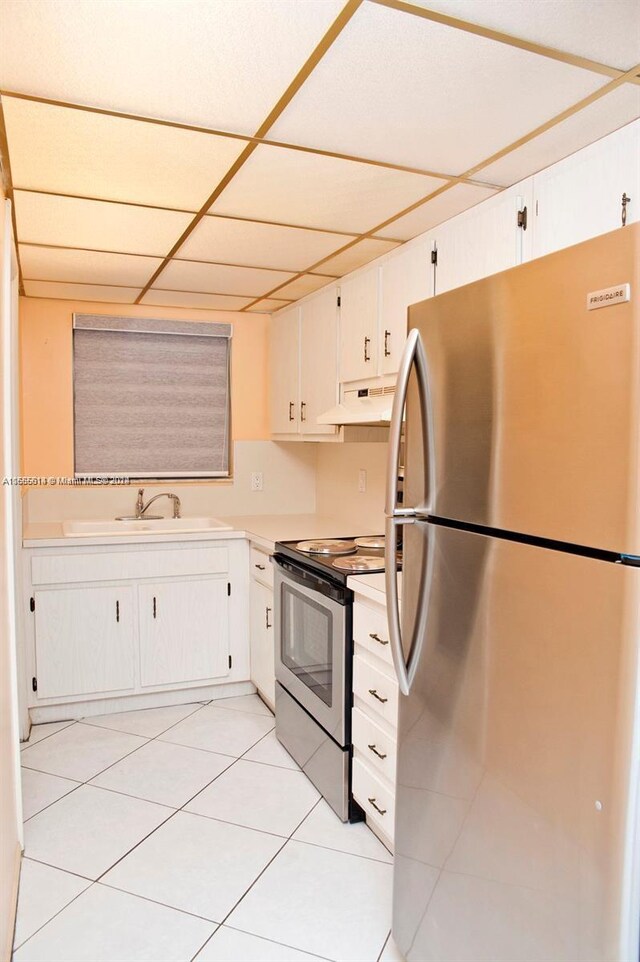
(154, 606)
(387, 335)
(367, 342)
(625, 200)
(303, 405)
(381, 811)
(117, 611)
(375, 694)
(260, 567)
(267, 612)
(376, 637)
(291, 414)
(372, 748)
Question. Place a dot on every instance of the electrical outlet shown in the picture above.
(362, 481)
(256, 481)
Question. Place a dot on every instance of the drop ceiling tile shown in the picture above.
(220, 64)
(219, 278)
(86, 267)
(311, 190)
(400, 88)
(607, 31)
(231, 241)
(441, 208)
(210, 302)
(78, 152)
(95, 224)
(302, 286)
(600, 118)
(267, 306)
(81, 292)
(361, 253)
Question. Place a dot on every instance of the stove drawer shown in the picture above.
(374, 797)
(375, 692)
(370, 630)
(374, 745)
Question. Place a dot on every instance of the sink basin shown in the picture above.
(88, 529)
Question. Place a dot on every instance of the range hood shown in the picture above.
(362, 405)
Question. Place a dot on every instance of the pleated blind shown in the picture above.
(151, 397)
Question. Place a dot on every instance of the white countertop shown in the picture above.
(264, 530)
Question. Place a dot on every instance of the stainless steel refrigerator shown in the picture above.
(517, 648)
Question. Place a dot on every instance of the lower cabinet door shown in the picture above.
(184, 631)
(263, 672)
(84, 640)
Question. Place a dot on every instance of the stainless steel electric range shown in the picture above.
(314, 657)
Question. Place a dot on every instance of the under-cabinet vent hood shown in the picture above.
(362, 405)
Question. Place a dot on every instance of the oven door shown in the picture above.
(311, 624)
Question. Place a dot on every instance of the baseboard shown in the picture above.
(158, 699)
(15, 885)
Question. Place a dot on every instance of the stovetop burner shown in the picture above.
(328, 546)
(359, 564)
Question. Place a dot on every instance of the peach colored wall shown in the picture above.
(47, 383)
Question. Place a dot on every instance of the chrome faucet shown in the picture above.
(141, 507)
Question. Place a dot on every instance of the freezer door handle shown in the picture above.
(413, 354)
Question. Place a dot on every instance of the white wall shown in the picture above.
(10, 808)
(289, 487)
(337, 492)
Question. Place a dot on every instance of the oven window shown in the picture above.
(307, 642)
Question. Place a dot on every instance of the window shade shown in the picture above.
(151, 397)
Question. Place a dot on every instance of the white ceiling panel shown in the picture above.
(219, 279)
(607, 31)
(304, 285)
(210, 302)
(86, 267)
(218, 63)
(400, 88)
(69, 222)
(267, 306)
(600, 118)
(290, 186)
(356, 256)
(81, 292)
(78, 152)
(230, 241)
(442, 207)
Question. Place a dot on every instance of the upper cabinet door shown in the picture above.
(483, 240)
(581, 196)
(285, 356)
(405, 279)
(359, 303)
(318, 360)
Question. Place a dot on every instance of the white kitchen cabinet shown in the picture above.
(359, 327)
(285, 371)
(484, 240)
(405, 278)
(184, 631)
(581, 196)
(262, 642)
(318, 361)
(84, 640)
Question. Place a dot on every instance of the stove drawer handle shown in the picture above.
(372, 748)
(381, 811)
(376, 637)
(375, 694)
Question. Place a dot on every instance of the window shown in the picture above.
(151, 397)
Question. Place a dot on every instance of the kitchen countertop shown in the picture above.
(263, 530)
(372, 586)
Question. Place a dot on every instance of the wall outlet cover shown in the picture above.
(256, 481)
(362, 481)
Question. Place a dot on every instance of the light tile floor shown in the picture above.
(189, 833)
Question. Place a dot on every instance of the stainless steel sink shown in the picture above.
(88, 529)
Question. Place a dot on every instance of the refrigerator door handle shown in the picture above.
(406, 670)
(413, 354)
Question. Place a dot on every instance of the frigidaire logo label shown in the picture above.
(610, 295)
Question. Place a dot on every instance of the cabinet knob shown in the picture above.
(380, 811)
(154, 606)
(372, 748)
(117, 611)
(267, 613)
(291, 409)
(387, 335)
(375, 694)
(303, 407)
(376, 637)
(625, 200)
(260, 567)
(367, 342)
